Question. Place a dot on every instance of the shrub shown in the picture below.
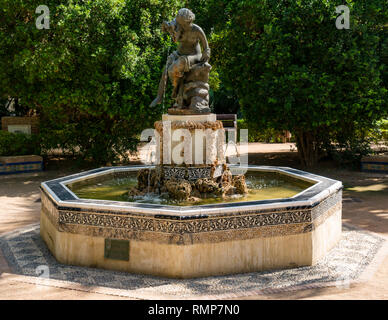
(255, 134)
(92, 75)
(350, 143)
(18, 144)
(382, 130)
(348, 153)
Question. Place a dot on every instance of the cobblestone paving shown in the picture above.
(25, 252)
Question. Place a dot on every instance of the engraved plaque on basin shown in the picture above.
(116, 249)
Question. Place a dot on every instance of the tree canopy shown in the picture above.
(292, 69)
(92, 75)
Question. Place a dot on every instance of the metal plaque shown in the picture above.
(116, 249)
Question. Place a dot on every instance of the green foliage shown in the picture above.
(384, 134)
(18, 144)
(214, 80)
(382, 130)
(92, 75)
(291, 69)
(348, 145)
(384, 55)
(224, 101)
(256, 134)
(351, 152)
(383, 124)
(3, 110)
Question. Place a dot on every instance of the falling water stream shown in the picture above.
(165, 77)
(150, 153)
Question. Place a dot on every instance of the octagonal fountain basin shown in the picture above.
(289, 218)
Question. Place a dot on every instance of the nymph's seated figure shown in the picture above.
(187, 67)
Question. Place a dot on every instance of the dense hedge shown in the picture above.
(256, 134)
(19, 144)
(92, 75)
(383, 127)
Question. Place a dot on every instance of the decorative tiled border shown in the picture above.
(63, 197)
(374, 166)
(163, 229)
(21, 167)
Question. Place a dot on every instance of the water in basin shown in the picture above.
(262, 185)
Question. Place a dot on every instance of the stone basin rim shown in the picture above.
(63, 197)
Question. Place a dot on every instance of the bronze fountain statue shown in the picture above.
(198, 169)
(187, 67)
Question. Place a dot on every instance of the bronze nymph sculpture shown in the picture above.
(187, 67)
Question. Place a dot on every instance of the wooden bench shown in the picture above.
(229, 122)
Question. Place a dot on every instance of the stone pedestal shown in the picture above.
(190, 141)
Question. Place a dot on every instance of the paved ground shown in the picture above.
(367, 208)
(351, 260)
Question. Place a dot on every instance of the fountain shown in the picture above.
(190, 214)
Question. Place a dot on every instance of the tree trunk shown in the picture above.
(308, 147)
